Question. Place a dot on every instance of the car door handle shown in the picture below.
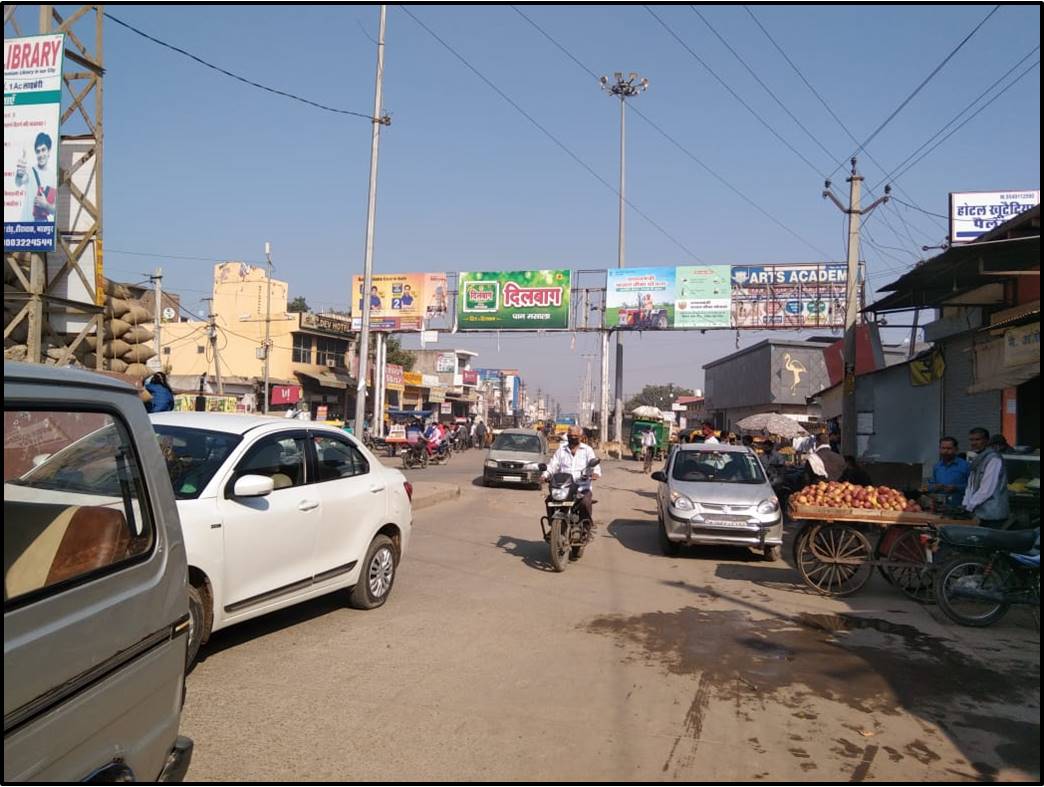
(375, 488)
(307, 505)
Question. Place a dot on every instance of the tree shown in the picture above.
(298, 304)
(395, 354)
(661, 396)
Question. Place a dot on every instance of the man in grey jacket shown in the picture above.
(986, 496)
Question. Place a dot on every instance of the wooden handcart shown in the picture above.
(837, 549)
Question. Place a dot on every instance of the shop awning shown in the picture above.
(997, 364)
(328, 379)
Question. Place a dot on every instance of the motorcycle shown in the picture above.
(415, 454)
(442, 454)
(991, 571)
(564, 530)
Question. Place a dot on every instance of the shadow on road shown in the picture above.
(533, 553)
(640, 535)
(334, 601)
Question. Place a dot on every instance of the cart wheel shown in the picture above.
(881, 549)
(908, 567)
(834, 560)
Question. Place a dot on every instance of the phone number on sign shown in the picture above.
(28, 243)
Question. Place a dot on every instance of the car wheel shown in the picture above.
(773, 553)
(377, 576)
(201, 618)
(668, 547)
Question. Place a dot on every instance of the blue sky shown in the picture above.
(199, 165)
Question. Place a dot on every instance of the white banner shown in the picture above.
(973, 213)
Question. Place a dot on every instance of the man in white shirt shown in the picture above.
(573, 458)
(40, 182)
(708, 433)
(648, 448)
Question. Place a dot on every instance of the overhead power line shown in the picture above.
(674, 141)
(971, 104)
(547, 133)
(782, 105)
(920, 87)
(732, 92)
(244, 80)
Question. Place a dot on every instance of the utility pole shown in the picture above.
(622, 89)
(377, 120)
(603, 416)
(212, 334)
(157, 289)
(855, 214)
(268, 321)
(376, 426)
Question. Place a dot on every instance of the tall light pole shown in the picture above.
(623, 89)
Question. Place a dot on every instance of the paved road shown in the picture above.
(485, 665)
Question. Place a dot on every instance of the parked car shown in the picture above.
(95, 604)
(717, 494)
(514, 458)
(275, 512)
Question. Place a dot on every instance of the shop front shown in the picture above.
(325, 395)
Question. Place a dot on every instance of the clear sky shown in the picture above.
(199, 165)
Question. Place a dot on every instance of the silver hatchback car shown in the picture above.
(717, 494)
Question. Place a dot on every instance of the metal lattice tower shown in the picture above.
(36, 312)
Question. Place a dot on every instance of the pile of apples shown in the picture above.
(837, 494)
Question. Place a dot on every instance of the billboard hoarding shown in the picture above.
(401, 301)
(811, 295)
(703, 297)
(974, 213)
(513, 299)
(32, 107)
(640, 298)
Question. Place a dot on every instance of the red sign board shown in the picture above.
(286, 394)
(393, 374)
(866, 357)
(470, 377)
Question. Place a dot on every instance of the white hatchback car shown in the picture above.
(275, 512)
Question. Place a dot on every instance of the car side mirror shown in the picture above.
(594, 463)
(542, 467)
(253, 486)
(660, 476)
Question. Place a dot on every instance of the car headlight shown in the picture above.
(681, 502)
(559, 493)
(491, 463)
(532, 466)
(770, 506)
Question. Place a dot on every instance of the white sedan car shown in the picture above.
(275, 512)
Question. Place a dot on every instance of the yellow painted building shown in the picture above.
(309, 352)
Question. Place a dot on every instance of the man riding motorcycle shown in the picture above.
(573, 458)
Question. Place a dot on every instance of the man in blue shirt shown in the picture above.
(950, 473)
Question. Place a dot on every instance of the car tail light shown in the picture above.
(409, 489)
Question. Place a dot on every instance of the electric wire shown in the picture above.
(822, 101)
(675, 142)
(733, 93)
(244, 80)
(548, 133)
(903, 168)
(767, 89)
(920, 87)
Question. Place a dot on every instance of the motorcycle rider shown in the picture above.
(433, 435)
(573, 457)
(648, 448)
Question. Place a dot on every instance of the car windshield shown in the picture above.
(728, 467)
(84, 466)
(193, 456)
(525, 443)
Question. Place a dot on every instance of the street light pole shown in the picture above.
(622, 89)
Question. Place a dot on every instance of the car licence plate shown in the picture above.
(512, 478)
(726, 523)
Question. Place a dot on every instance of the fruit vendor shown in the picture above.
(987, 494)
(950, 473)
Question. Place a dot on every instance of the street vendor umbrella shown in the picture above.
(647, 411)
(772, 423)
